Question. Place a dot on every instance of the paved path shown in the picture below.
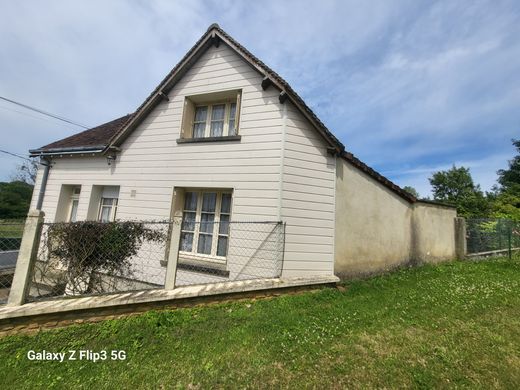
(8, 259)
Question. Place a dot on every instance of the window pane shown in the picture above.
(186, 242)
(232, 110)
(232, 129)
(74, 210)
(207, 223)
(217, 129)
(201, 113)
(222, 246)
(105, 214)
(199, 130)
(107, 201)
(190, 201)
(226, 204)
(224, 224)
(204, 246)
(209, 201)
(188, 221)
(217, 113)
(232, 116)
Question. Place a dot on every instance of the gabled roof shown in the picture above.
(111, 134)
(214, 36)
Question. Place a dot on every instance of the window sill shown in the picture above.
(203, 269)
(209, 139)
(201, 264)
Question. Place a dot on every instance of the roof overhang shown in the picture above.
(66, 151)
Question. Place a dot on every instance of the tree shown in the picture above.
(26, 172)
(509, 179)
(15, 198)
(411, 191)
(456, 186)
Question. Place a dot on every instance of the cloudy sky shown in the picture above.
(410, 87)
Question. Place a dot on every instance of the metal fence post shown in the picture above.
(509, 234)
(26, 258)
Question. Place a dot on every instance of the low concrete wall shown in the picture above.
(376, 230)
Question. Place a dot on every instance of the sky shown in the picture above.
(409, 87)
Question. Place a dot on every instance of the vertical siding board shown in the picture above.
(310, 173)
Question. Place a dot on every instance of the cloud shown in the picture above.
(405, 85)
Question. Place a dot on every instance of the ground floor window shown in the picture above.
(205, 223)
(108, 204)
(74, 203)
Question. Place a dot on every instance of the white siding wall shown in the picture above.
(307, 199)
(152, 163)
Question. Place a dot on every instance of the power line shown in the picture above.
(44, 112)
(15, 155)
(40, 118)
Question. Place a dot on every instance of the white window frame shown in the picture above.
(74, 198)
(209, 112)
(113, 208)
(194, 255)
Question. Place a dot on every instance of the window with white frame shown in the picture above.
(74, 203)
(108, 204)
(215, 120)
(205, 223)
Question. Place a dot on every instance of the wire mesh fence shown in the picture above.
(487, 237)
(88, 258)
(11, 232)
(212, 252)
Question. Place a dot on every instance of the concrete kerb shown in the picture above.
(131, 301)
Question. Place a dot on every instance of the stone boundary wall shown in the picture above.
(377, 230)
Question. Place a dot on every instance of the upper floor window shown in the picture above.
(211, 116)
(216, 120)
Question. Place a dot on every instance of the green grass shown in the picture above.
(11, 228)
(452, 325)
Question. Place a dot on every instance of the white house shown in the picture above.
(225, 138)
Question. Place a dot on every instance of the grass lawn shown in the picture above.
(452, 325)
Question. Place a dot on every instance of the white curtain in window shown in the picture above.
(199, 125)
(217, 120)
(231, 124)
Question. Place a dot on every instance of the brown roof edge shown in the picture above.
(378, 177)
(214, 30)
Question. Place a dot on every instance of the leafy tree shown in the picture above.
(509, 179)
(411, 191)
(505, 205)
(15, 198)
(456, 186)
(26, 172)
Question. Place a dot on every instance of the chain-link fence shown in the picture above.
(212, 252)
(486, 237)
(11, 232)
(87, 258)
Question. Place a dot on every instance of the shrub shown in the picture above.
(88, 251)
